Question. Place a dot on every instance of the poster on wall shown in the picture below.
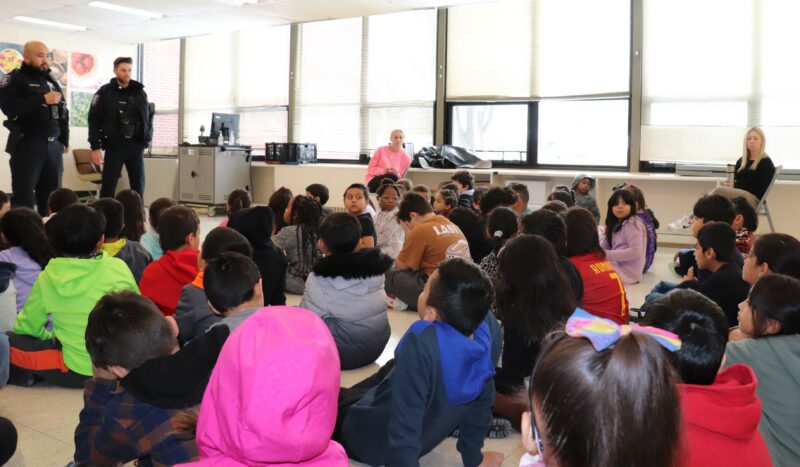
(59, 69)
(83, 71)
(10, 57)
(79, 108)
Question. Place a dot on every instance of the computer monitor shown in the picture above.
(225, 127)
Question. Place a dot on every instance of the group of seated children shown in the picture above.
(167, 380)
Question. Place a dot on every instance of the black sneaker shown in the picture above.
(19, 377)
(500, 428)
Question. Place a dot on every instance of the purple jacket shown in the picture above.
(628, 253)
(27, 272)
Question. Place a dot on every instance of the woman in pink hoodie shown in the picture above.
(388, 162)
(272, 397)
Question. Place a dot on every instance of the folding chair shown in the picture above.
(762, 209)
(87, 170)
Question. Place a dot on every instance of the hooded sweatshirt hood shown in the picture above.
(721, 420)
(580, 177)
(272, 398)
(362, 264)
(178, 381)
(70, 276)
(255, 224)
(163, 280)
(466, 363)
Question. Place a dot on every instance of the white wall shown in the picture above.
(105, 51)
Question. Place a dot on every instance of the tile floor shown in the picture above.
(46, 416)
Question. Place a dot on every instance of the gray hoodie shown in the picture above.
(776, 363)
(346, 291)
(586, 201)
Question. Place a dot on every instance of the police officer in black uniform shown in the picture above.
(38, 125)
(121, 123)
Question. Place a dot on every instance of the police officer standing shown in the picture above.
(121, 123)
(38, 125)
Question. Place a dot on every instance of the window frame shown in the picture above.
(532, 161)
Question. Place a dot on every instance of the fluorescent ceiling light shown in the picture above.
(55, 24)
(125, 9)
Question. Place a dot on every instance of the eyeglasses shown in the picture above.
(535, 433)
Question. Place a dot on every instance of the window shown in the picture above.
(702, 88)
(601, 124)
(559, 57)
(253, 82)
(161, 76)
(378, 75)
(495, 132)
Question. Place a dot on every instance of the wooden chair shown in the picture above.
(87, 170)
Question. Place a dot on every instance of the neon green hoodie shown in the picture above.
(68, 289)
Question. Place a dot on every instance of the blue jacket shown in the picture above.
(441, 381)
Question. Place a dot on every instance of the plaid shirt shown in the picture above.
(115, 427)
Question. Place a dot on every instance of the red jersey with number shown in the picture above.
(603, 292)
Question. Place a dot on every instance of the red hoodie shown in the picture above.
(164, 278)
(720, 421)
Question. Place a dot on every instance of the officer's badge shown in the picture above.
(5, 80)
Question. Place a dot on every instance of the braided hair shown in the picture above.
(306, 214)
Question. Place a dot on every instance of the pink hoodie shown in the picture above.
(272, 397)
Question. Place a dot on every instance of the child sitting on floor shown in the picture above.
(132, 206)
(587, 383)
(299, 241)
(625, 237)
(320, 192)
(768, 255)
(256, 225)
(582, 186)
(769, 343)
(150, 240)
(716, 245)
(238, 199)
(445, 202)
(141, 383)
(465, 182)
(551, 226)
(233, 286)
(502, 226)
(263, 411)
(29, 249)
(745, 224)
(346, 290)
(58, 200)
(440, 379)
(356, 198)
(65, 293)
(129, 251)
(193, 313)
(720, 409)
(162, 281)
(603, 291)
(390, 232)
(650, 222)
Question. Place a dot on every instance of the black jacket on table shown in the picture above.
(725, 287)
(22, 100)
(104, 122)
(755, 181)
